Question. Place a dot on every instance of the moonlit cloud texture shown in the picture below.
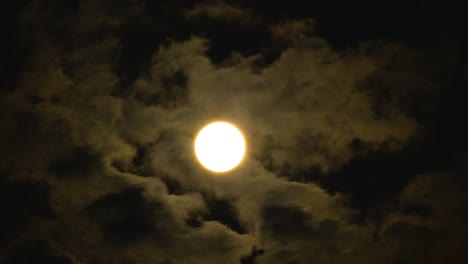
(356, 145)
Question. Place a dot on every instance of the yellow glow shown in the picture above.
(220, 146)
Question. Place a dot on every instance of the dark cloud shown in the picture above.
(22, 203)
(172, 92)
(219, 210)
(250, 259)
(220, 10)
(283, 223)
(435, 233)
(38, 251)
(353, 118)
(81, 161)
(126, 217)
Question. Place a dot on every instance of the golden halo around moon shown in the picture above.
(219, 146)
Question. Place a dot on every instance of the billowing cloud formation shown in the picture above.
(100, 168)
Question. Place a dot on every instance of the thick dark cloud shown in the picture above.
(283, 223)
(224, 212)
(126, 216)
(250, 259)
(22, 203)
(38, 251)
(353, 114)
(80, 161)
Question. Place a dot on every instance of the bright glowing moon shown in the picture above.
(220, 146)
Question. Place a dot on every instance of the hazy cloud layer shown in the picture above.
(99, 167)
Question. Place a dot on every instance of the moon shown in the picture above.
(219, 146)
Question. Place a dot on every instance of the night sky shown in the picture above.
(353, 111)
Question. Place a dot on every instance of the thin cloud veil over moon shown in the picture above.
(350, 150)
